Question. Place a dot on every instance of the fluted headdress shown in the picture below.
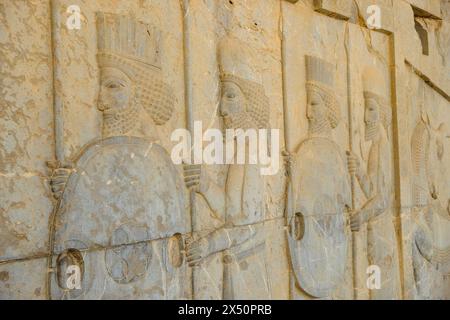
(134, 48)
(320, 79)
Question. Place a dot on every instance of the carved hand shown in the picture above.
(434, 191)
(353, 163)
(357, 218)
(197, 249)
(59, 176)
(287, 159)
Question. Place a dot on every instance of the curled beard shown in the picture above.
(121, 122)
(371, 130)
(318, 126)
(241, 121)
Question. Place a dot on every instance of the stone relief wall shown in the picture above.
(85, 151)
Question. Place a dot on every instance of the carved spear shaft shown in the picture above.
(286, 124)
(352, 177)
(185, 7)
(58, 132)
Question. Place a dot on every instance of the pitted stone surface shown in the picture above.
(86, 175)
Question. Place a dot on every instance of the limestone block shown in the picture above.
(14, 285)
(214, 27)
(76, 62)
(425, 8)
(386, 14)
(92, 93)
(337, 9)
(26, 123)
(424, 225)
(371, 75)
(323, 43)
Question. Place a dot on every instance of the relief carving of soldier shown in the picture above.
(376, 183)
(240, 202)
(121, 202)
(429, 260)
(316, 217)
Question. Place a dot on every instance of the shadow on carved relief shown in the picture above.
(240, 200)
(122, 196)
(320, 189)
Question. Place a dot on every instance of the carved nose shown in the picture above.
(308, 111)
(224, 112)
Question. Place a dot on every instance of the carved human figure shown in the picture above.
(316, 210)
(240, 202)
(122, 192)
(427, 257)
(376, 184)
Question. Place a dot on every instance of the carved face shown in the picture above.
(371, 118)
(115, 91)
(232, 104)
(316, 111)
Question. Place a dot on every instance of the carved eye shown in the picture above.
(231, 95)
(112, 86)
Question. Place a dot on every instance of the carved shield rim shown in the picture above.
(309, 289)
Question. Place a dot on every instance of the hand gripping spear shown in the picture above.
(59, 136)
(189, 109)
(352, 178)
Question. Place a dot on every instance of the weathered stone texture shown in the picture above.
(87, 179)
(26, 124)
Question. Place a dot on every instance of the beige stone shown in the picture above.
(94, 206)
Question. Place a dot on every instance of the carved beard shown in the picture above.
(371, 130)
(240, 121)
(122, 122)
(318, 126)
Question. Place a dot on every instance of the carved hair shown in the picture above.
(121, 122)
(257, 103)
(386, 116)
(333, 114)
(374, 84)
(320, 79)
(133, 47)
(420, 146)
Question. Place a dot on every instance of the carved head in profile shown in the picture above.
(130, 74)
(243, 102)
(322, 109)
(376, 110)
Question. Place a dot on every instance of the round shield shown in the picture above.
(123, 202)
(318, 236)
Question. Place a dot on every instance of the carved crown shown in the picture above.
(128, 38)
(319, 71)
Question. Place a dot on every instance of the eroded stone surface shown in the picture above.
(364, 150)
